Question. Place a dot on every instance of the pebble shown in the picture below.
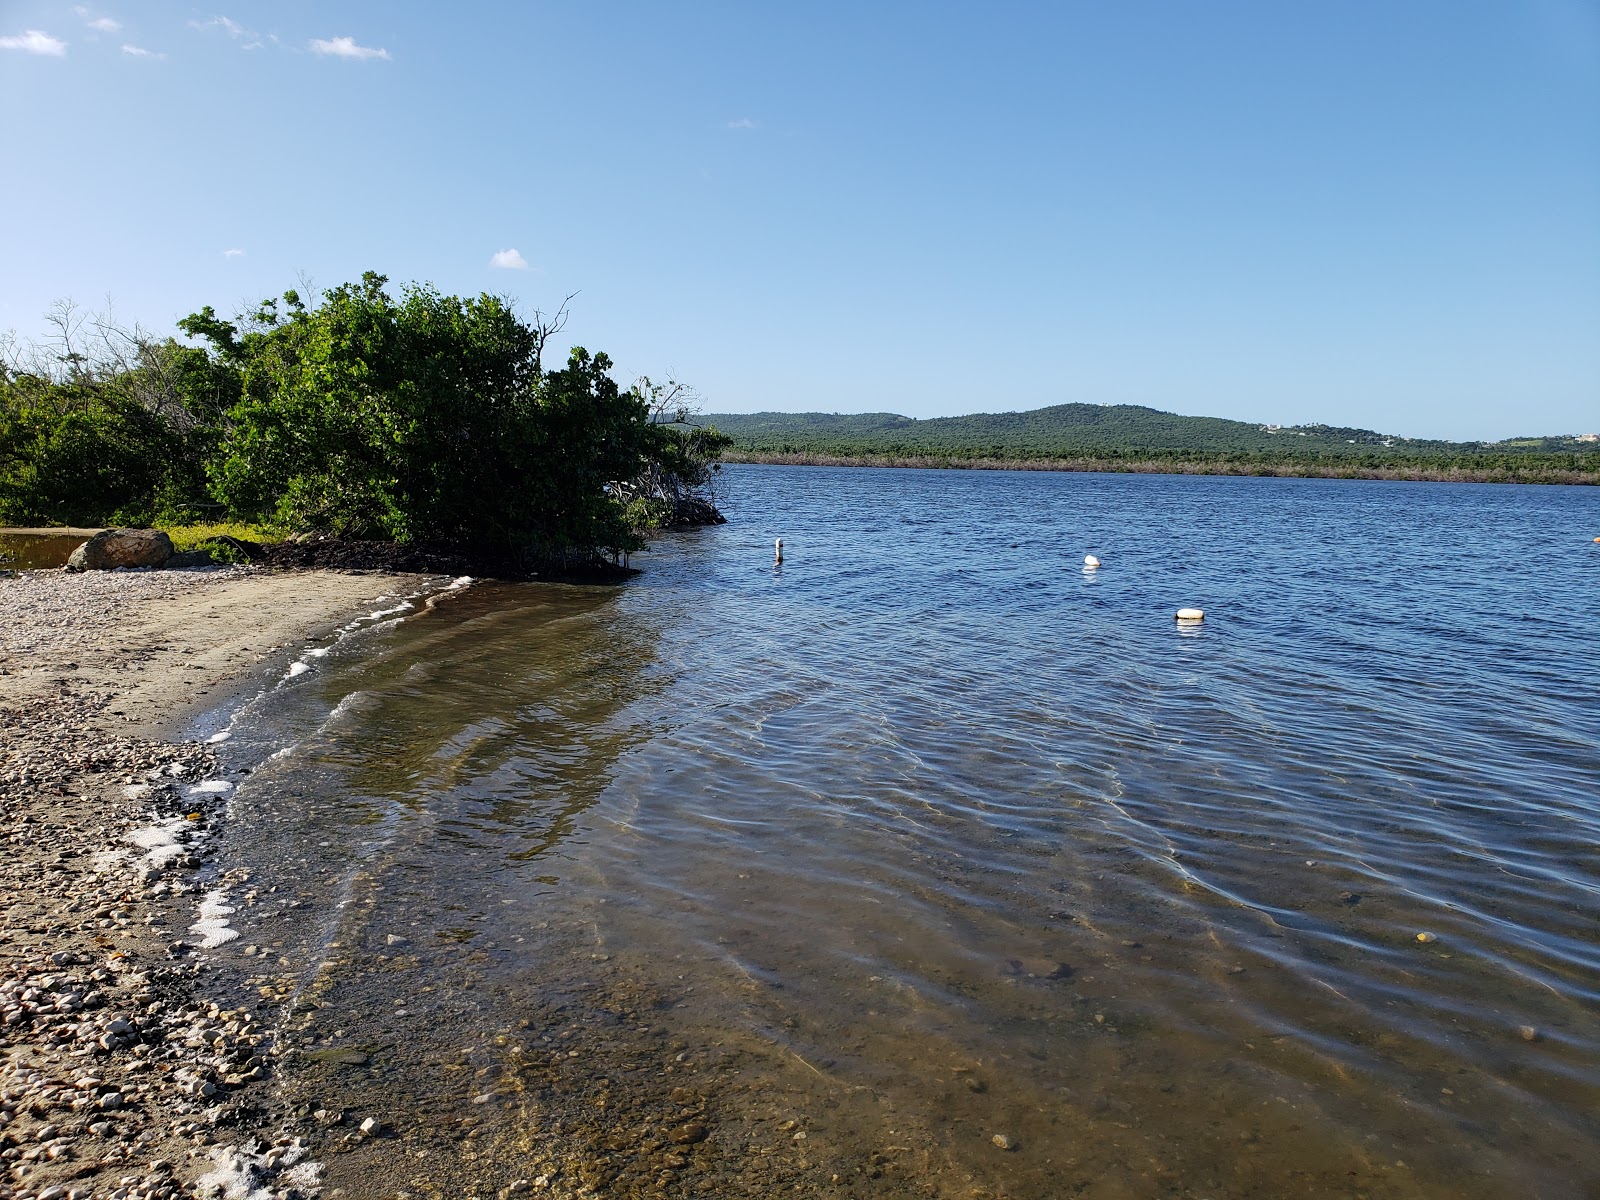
(105, 1049)
(1002, 1142)
(1528, 1033)
(1427, 938)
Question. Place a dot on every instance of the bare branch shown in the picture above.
(545, 328)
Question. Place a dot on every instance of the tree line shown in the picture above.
(417, 417)
(1120, 434)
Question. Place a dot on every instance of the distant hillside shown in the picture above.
(1069, 431)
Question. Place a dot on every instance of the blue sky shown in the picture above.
(1378, 214)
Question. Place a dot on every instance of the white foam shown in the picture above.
(136, 791)
(218, 737)
(317, 653)
(213, 926)
(161, 842)
(211, 787)
(247, 1172)
(389, 612)
(297, 668)
(107, 861)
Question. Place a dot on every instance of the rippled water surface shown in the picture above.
(931, 864)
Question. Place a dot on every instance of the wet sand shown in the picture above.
(117, 1077)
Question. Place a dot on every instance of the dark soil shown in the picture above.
(429, 558)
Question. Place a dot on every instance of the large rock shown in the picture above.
(111, 548)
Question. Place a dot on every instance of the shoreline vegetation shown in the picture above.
(414, 419)
(1133, 438)
(1411, 472)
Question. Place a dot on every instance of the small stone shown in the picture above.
(1001, 1142)
(1426, 938)
(688, 1134)
(1529, 1033)
(371, 1126)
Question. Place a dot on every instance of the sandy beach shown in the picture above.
(116, 1078)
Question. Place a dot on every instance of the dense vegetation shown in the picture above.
(1133, 437)
(422, 418)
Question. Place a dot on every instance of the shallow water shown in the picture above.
(837, 872)
(36, 551)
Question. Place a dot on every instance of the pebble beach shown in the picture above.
(119, 1078)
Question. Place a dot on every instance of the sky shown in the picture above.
(1363, 213)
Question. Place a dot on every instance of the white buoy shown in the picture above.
(1191, 614)
(1090, 561)
(778, 547)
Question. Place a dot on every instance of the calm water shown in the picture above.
(821, 879)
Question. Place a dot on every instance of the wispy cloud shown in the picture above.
(232, 28)
(248, 39)
(139, 52)
(98, 24)
(233, 254)
(743, 123)
(346, 47)
(34, 41)
(508, 260)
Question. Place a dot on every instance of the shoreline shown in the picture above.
(1126, 466)
(117, 1076)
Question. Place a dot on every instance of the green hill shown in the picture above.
(1127, 433)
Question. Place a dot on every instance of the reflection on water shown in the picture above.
(36, 551)
(931, 864)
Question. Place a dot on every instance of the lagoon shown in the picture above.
(930, 864)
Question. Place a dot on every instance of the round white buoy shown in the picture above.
(778, 546)
(1191, 614)
(1090, 561)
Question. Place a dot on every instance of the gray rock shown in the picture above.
(111, 548)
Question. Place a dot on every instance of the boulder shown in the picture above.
(112, 548)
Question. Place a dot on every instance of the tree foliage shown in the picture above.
(417, 417)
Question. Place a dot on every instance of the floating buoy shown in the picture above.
(1191, 614)
(778, 547)
(1092, 562)
(1597, 539)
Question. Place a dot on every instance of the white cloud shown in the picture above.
(508, 260)
(34, 41)
(742, 123)
(345, 47)
(139, 52)
(249, 39)
(232, 28)
(98, 24)
(233, 254)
